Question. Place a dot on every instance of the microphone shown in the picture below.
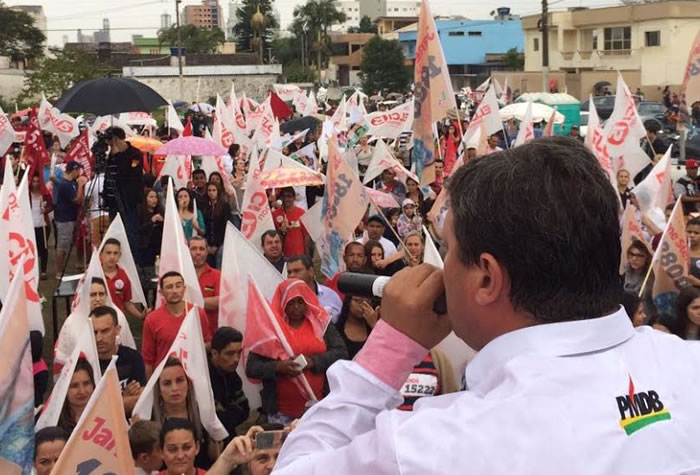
(370, 285)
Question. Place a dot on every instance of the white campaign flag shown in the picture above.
(486, 112)
(624, 127)
(175, 253)
(179, 168)
(634, 160)
(311, 105)
(18, 244)
(655, 190)
(80, 311)
(7, 133)
(173, 120)
(117, 231)
(431, 255)
(54, 121)
(223, 124)
(339, 116)
(239, 120)
(274, 159)
(256, 215)
(286, 92)
(189, 348)
(313, 221)
(299, 102)
(526, 131)
(240, 253)
(382, 159)
(85, 347)
(392, 123)
(104, 122)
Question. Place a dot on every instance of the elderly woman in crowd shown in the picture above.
(305, 325)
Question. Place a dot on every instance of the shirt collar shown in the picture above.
(552, 339)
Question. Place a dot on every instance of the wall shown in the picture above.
(496, 37)
(11, 83)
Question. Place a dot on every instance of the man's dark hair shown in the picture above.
(171, 273)
(375, 218)
(113, 241)
(117, 132)
(164, 180)
(176, 423)
(98, 280)
(103, 310)
(287, 189)
(547, 212)
(143, 437)
(48, 434)
(349, 245)
(199, 171)
(197, 237)
(224, 336)
(271, 233)
(303, 258)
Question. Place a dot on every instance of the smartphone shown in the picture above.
(270, 439)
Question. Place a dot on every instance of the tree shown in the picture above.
(383, 67)
(514, 60)
(366, 25)
(286, 52)
(19, 38)
(195, 40)
(243, 29)
(313, 20)
(55, 74)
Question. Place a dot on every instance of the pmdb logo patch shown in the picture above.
(638, 410)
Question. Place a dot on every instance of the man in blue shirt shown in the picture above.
(70, 190)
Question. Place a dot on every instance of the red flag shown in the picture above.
(279, 107)
(35, 153)
(79, 151)
(187, 132)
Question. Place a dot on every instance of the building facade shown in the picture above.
(351, 8)
(207, 15)
(232, 18)
(647, 43)
(473, 48)
(388, 8)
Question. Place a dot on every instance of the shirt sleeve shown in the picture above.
(148, 345)
(353, 429)
(678, 190)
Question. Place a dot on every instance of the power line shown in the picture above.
(103, 11)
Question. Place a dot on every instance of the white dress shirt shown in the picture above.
(547, 399)
(329, 300)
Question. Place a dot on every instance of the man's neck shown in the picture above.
(108, 357)
(200, 269)
(176, 308)
(274, 260)
(110, 271)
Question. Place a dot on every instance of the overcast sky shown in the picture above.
(128, 17)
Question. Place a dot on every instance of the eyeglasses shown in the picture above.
(634, 254)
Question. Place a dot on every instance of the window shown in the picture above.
(617, 38)
(455, 33)
(652, 38)
(535, 44)
(474, 33)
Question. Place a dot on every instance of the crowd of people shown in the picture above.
(321, 324)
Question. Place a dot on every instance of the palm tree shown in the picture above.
(313, 21)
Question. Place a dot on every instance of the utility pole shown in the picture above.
(544, 22)
(179, 46)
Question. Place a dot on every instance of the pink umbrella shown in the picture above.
(191, 145)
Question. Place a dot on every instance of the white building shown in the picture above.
(166, 21)
(388, 8)
(351, 8)
(232, 18)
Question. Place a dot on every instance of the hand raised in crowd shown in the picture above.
(81, 180)
(132, 389)
(407, 304)
(156, 218)
(241, 449)
(368, 313)
(287, 368)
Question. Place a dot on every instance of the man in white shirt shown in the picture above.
(562, 382)
(375, 232)
(97, 210)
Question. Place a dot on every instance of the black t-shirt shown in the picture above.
(125, 176)
(130, 366)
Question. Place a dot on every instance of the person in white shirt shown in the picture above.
(562, 382)
(301, 267)
(375, 232)
(98, 213)
(492, 144)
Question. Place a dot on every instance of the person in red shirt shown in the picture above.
(209, 279)
(355, 261)
(162, 325)
(118, 282)
(288, 223)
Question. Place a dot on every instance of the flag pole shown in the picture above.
(387, 221)
(646, 278)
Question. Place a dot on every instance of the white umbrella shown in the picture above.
(540, 112)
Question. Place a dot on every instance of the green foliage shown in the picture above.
(312, 20)
(514, 60)
(55, 74)
(383, 68)
(243, 30)
(19, 38)
(366, 25)
(194, 40)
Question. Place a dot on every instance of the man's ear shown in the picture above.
(491, 281)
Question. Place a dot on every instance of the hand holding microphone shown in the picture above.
(409, 301)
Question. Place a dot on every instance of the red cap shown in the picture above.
(691, 163)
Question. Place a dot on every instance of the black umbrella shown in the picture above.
(110, 96)
(307, 122)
